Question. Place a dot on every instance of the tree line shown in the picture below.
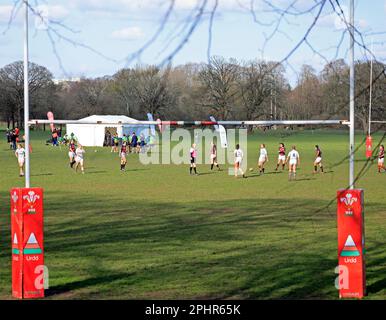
(226, 89)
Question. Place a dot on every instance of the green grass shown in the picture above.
(155, 232)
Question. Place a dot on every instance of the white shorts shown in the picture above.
(293, 162)
(318, 160)
(262, 159)
(238, 160)
(71, 154)
(79, 160)
(123, 154)
(213, 156)
(21, 162)
(381, 161)
(281, 158)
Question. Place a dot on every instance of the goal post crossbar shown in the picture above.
(196, 123)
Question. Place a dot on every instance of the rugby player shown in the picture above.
(123, 156)
(239, 154)
(263, 158)
(281, 158)
(79, 158)
(20, 155)
(71, 152)
(294, 159)
(318, 159)
(381, 158)
(213, 156)
(193, 156)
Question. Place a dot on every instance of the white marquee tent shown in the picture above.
(93, 135)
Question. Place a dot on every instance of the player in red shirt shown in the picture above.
(193, 157)
(123, 156)
(381, 158)
(71, 152)
(17, 132)
(318, 159)
(281, 158)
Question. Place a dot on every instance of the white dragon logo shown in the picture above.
(349, 200)
(31, 198)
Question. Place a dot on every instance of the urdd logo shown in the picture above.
(349, 201)
(31, 199)
(32, 245)
(350, 251)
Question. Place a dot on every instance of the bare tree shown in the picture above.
(219, 84)
(184, 81)
(334, 85)
(87, 97)
(152, 91)
(123, 87)
(12, 79)
(362, 76)
(257, 83)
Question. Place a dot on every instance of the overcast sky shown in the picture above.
(114, 29)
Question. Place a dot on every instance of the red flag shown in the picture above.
(50, 117)
(161, 127)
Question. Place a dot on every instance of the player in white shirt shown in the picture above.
(263, 158)
(20, 155)
(79, 158)
(239, 154)
(293, 159)
(318, 159)
(213, 156)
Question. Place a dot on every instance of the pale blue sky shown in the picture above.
(117, 28)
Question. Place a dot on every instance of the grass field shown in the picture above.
(155, 232)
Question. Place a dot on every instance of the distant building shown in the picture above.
(66, 81)
(95, 135)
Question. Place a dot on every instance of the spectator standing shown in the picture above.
(134, 142)
(13, 140)
(55, 138)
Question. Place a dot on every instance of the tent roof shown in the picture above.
(109, 118)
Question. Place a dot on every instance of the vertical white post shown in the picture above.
(352, 96)
(274, 105)
(26, 97)
(271, 115)
(371, 86)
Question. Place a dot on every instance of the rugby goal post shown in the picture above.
(177, 123)
(197, 123)
(28, 123)
(378, 121)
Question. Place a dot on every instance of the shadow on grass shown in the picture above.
(377, 286)
(95, 172)
(304, 179)
(272, 172)
(257, 174)
(253, 175)
(206, 173)
(86, 283)
(250, 251)
(244, 249)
